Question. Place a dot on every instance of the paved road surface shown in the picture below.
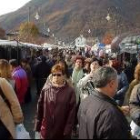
(29, 111)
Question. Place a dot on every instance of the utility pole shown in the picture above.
(29, 14)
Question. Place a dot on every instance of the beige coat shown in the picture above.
(10, 119)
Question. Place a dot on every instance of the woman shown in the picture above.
(10, 110)
(87, 63)
(5, 72)
(85, 84)
(133, 83)
(56, 107)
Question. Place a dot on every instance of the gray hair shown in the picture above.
(103, 76)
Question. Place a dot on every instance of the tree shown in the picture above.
(107, 39)
(28, 32)
(2, 33)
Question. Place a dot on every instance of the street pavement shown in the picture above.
(29, 111)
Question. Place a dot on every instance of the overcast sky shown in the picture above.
(7, 6)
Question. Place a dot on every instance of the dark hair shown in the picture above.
(43, 58)
(13, 62)
(100, 62)
(24, 60)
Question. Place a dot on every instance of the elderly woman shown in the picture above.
(56, 107)
(10, 110)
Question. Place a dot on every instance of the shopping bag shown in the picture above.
(21, 132)
(135, 129)
(37, 135)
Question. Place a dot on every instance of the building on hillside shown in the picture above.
(12, 35)
(80, 42)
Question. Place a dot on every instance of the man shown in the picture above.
(21, 80)
(77, 74)
(41, 73)
(99, 116)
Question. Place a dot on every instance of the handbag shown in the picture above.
(21, 132)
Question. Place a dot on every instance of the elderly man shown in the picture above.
(99, 116)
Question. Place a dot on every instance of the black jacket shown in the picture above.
(42, 70)
(100, 118)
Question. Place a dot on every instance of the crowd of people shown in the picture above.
(79, 95)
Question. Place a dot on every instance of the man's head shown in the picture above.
(105, 79)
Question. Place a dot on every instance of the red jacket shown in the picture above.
(56, 112)
(21, 83)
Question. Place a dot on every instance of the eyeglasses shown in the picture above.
(58, 75)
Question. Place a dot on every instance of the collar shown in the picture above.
(102, 96)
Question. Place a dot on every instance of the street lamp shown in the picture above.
(48, 30)
(108, 18)
(37, 16)
(89, 31)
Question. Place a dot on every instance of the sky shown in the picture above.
(7, 6)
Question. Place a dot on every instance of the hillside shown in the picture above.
(69, 18)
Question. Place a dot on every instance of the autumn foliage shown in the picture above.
(107, 39)
(28, 32)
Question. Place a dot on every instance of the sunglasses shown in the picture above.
(58, 75)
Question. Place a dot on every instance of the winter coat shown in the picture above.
(129, 91)
(56, 111)
(100, 118)
(122, 88)
(135, 104)
(76, 76)
(15, 116)
(21, 83)
(86, 86)
(42, 70)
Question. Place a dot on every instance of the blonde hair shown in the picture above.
(137, 72)
(5, 69)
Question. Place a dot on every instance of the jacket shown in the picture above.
(100, 118)
(15, 116)
(21, 83)
(85, 86)
(122, 88)
(56, 111)
(129, 91)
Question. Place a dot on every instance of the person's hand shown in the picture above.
(125, 110)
